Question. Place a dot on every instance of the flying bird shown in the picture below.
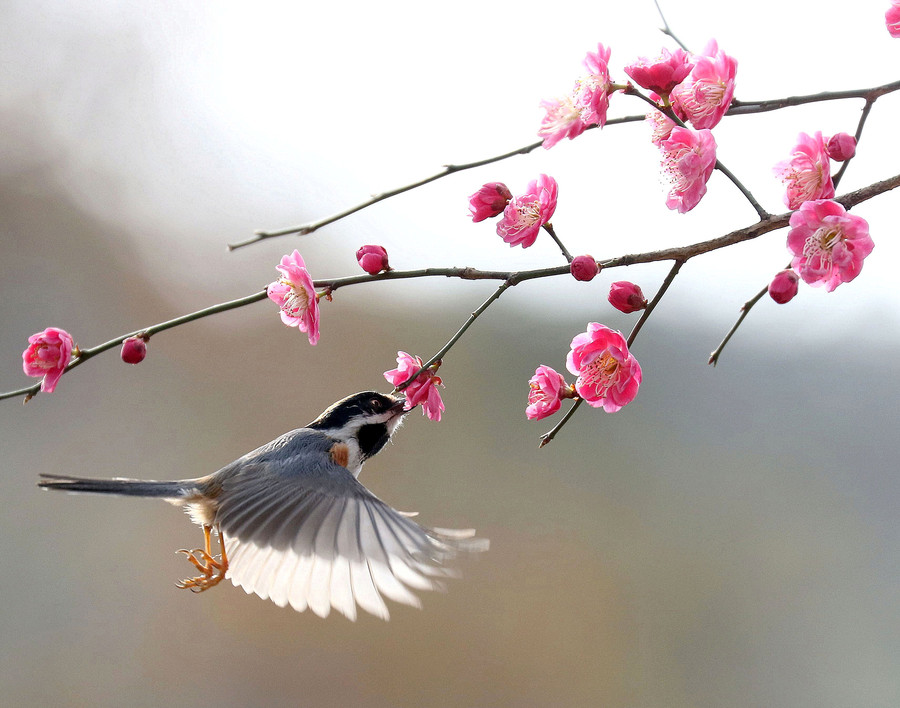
(294, 524)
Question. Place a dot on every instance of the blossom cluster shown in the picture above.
(827, 244)
(523, 215)
(607, 375)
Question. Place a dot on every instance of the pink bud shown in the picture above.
(489, 201)
(584, 268)
(373, 259)
(626, 297)
(134, 349)
(783, 287)
(841, 147)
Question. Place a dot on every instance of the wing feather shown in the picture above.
(299, 529)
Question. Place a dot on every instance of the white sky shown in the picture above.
(209, 120)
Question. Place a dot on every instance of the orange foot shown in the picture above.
(211, 571)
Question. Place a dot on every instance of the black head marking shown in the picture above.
(353, 407)
(372, 438)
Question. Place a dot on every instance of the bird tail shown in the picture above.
(125, 487)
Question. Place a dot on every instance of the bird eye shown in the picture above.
(375, 403)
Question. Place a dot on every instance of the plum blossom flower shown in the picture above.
(807, 173)
(627, 297)
(840, 147)
(586, 105)
(526, 214)
(594, 89)
(584, 268)
(704, 96)
(372, 259)
(892, 18)
(660, 124)
(608, 374)
(295, 294)
(662, 73)
(784, 286)
(547, 389)
(829, 244)
(47, 355)
(421, 391)
(134, 349)
(489, 201)
(688, 160)
(562, 119)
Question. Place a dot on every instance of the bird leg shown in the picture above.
(211, 571)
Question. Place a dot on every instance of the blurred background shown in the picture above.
(728, 539)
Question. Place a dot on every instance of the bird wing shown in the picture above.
(301, 530)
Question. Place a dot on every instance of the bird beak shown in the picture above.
(399, 403)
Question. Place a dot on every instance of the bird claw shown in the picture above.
(212, 571)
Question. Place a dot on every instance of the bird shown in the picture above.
(294, 524)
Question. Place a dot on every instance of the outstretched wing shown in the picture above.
(301, 530)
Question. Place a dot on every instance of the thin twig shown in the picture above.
(666, 29)
(549, 229)
(745, 310)
(859, 129)
(459, 333)
(676, 266)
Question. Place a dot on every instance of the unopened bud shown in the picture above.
(783, 287)
(584, 268)
(373, 259)
(841, 147)
(626, 297)
(134, 349)
(489, 201)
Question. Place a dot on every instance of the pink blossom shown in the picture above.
(840, 147)
(592, 93)
(524, 215)
(892, 18)
(372, 259)
(295, 294)
(608, 374)
(626, 297)
(586, 105)
(662, 73)
(134, 349)
(784, 286)
(421, 391)
(829, 244)
(584, 268)
(705, 95)
(47, 355)
(689, 158)
(489, 201)
(660, 124)
(562, 119)
(807, 173)
(546, 393)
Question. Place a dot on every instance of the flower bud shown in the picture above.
(626, 297)
(584, 268)
(134, 349)
(784, 286)
(841, 147)
(373, 259)
(489, 201)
